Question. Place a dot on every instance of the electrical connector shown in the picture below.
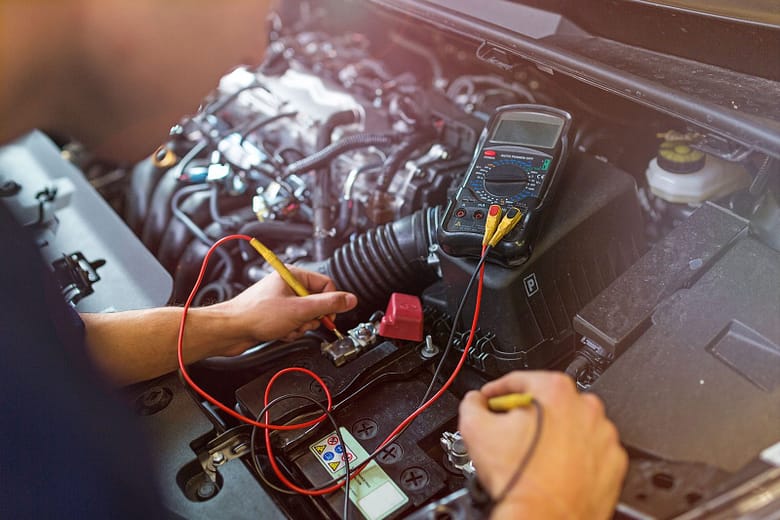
(507, 224)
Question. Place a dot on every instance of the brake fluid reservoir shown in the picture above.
(684, 175)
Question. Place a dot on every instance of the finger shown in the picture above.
(323, 304)
(594, 403)
(312, 325)
(314, 282)
(292, 336)
(613, 471)
(472, 414)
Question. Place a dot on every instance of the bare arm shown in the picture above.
(137, 345)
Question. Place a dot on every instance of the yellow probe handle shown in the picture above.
(507, 224)
(279, 267)
(290, 279)
(504, 403)
(491, 223)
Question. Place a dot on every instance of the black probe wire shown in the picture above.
(453, 329)
(256, 461)
(528, 454)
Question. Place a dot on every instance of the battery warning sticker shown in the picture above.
(372, 491)
(330, 451)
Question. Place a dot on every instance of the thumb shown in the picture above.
(323, 304)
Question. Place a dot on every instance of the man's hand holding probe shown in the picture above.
(577, 466)
(136, 345)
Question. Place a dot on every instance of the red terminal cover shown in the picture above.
(403, 318)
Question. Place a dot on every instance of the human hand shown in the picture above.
(578, 465)
(270, 309)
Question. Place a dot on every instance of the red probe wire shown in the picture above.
(267, 426)
(205, 395)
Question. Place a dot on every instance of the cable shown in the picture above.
(352, 142)
(216, 216)
(256, 461)
(528, 454)
(267, 426)
(479, 269)
(219, 104)
(436, 69)
(264, 121)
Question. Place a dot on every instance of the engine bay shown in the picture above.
(654, 280)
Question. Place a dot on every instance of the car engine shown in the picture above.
(340, 152)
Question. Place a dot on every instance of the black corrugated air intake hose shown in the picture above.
(389, 258)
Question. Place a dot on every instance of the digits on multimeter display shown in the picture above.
(516, 162)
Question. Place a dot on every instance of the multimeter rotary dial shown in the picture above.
(504, 180)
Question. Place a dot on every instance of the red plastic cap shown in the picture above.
(494, 209)
(403, 318)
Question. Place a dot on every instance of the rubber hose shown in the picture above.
(215, 292)
(189, 263)
(324, 157)
(577, 366)
(390, 258)
(398, 157)
(321, 194)
(143, 180)
(272, 231)
(160, 206)
(176, 235)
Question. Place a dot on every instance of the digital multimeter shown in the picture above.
(517, 160)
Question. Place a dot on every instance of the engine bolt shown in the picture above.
(218, 458)
(207, 490)
(429, 350)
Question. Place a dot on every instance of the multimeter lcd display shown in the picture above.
(526, 133)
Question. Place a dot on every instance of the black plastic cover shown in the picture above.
(624, 310)
(702, 383)
(591, 235)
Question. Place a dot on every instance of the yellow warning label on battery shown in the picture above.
(372, 491)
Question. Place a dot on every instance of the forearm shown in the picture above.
(137, 345)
